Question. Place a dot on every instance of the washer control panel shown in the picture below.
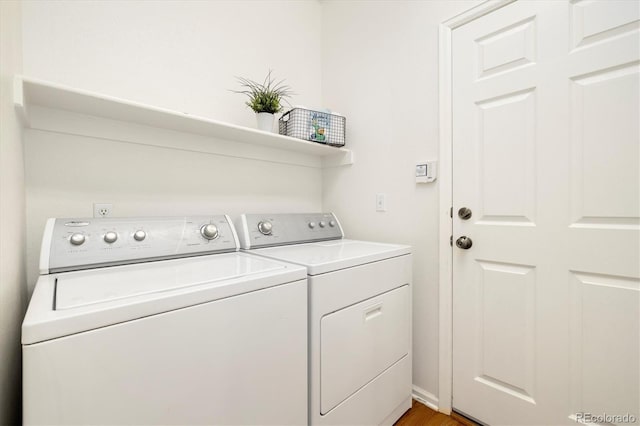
(74, 244)
(263, 230)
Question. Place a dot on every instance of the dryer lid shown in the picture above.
(328, 256)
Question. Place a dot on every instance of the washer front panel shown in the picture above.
(237, 361)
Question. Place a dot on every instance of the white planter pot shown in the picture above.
(265, 121)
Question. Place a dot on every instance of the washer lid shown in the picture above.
(73, 302)
(84, 288)
(328, 256)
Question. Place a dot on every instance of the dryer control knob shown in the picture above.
(322, 224)
(265, 227)
(77, 239)
(139, 235)
(332, 223)
(210, 231)
(312, 225)
(110, 237)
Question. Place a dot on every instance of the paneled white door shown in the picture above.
(546, 155)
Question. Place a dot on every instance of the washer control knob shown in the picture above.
(110, 237)
(312, 225)
(332, 223)
(210, 231)
(77, 239)
(139, 235)
(322, 224)
(265, 227)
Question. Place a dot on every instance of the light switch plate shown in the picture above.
(381, 202)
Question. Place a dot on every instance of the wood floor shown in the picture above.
(421, 415)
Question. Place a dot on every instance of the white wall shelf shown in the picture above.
(30, 93)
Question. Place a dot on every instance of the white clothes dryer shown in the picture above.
(359, 315)
(162, 321)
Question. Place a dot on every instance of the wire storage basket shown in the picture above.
(314, 126)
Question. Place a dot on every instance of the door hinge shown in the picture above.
(451, 240)
(451, 212)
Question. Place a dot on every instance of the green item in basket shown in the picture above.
(320, 122)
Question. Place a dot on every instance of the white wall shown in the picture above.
(176, 55)
(12, 220)
(180, 55)
(380, 69)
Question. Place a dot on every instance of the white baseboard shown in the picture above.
(427, 398)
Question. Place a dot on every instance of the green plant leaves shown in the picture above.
(265, 96)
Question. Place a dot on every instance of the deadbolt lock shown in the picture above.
(465, 213)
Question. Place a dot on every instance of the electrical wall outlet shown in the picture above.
(102, 209)
(381, 202)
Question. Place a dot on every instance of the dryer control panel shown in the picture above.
(74, 244)
(264, 230)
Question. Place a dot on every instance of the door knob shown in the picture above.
(465, 213)
(464, 242)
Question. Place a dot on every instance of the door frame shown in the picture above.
(445, 298)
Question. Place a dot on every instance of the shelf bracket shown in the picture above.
(337, 160)
(19, 101)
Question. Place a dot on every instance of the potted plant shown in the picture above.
(264, 98)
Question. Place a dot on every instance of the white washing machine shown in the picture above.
(162, 321)
(359, 315)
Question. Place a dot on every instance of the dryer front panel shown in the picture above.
(361, 341)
